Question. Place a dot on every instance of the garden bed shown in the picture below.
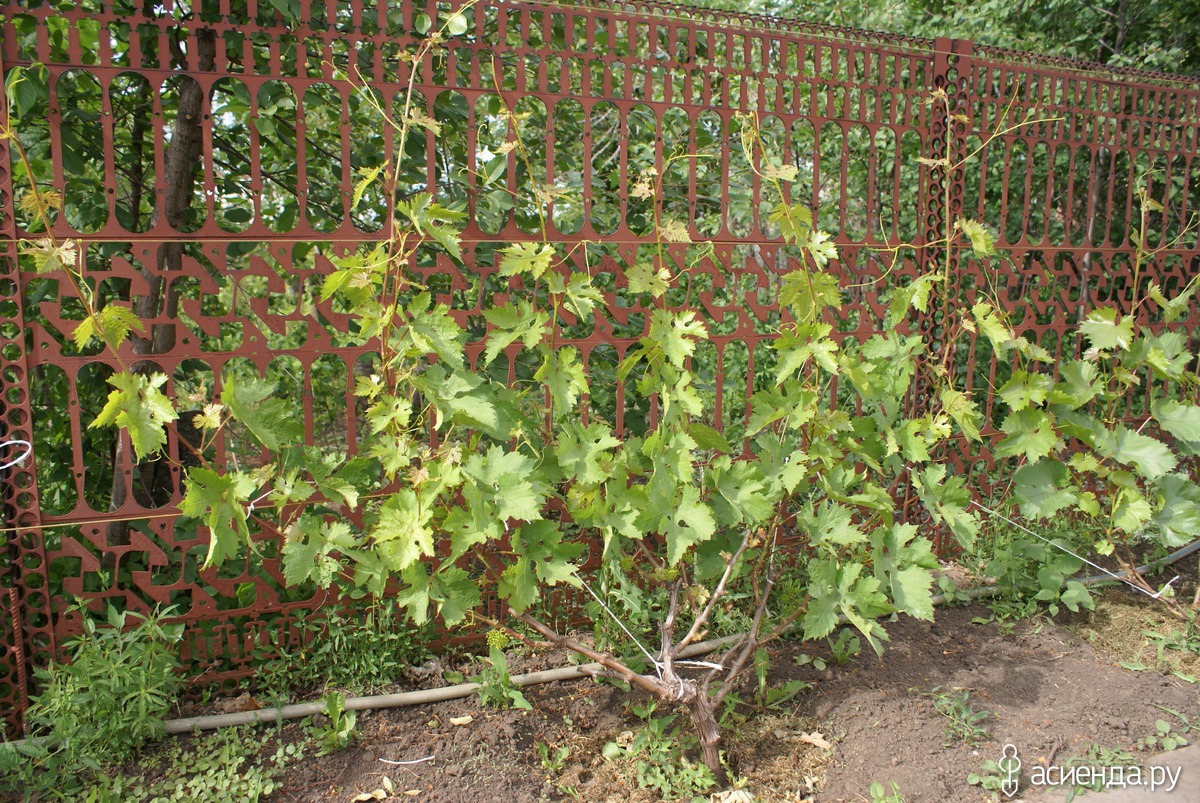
(1043, 686)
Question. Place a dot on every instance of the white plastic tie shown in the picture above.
(701, 665)
(250, 509)
(18, 461)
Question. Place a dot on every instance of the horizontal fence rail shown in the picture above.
(207, 156)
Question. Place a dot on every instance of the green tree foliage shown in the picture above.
(1153, 35)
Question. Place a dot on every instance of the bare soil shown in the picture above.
(1045, 687)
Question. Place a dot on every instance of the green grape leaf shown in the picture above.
(1105, 330)
(808, 293)
(674, 335)
(521, 322)
(113, 324)
(509, 482)
(1030, 432)
(1178, 518)
(914, 295)
(1173, 308)
(563, 375)
(455, 594)
(402, 535)
(993, 327)
(430, 220)
(219, 501)
(1078, 384)
(982, 241)
(1024, 389)
(947, 500)
(1132, 512)
(911, 592)
(434, 331)
(645, 277)
(708, 438)
(691, 523)
(138, 406)
(963, 411)
(794, 221)
(518, 586)
(1180, 420)
(1152, 458)
(268, 418)
(1043, 488)
(552, 560)
(526, 258)
(581, 296)
(583, 451)
(415, 597)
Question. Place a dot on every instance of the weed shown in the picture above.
(555, 761)
(656, 753)
(773, 697)
(96, 710)
(950, 591)
(1098, 756)
(803, 659)
(992, 776)
(962, 721)
(338, 730)
(846, 648)
(1032, 576)
(1165, 736)
(225, 766)
(879, 794)
(358, 651)
(1184, 640)
(495, 685)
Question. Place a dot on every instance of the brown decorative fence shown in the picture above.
(207, 153)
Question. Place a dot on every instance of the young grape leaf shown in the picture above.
(138, 406)
(219, 502)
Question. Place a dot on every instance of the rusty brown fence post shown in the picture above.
(26, 632)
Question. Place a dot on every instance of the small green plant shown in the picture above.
(962, 720)
(950, 591)
(1164, 738)
(1033, 576)
(229, 766)
(496, 687)
(109, 700)
(554, 759)
(656, 752)
(773, 696)
(1184, 640)
(361, 650)
(804, 659)
(990, 778)
(845, 648)
(880, 794)
(338, 730)
(1098, 756)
